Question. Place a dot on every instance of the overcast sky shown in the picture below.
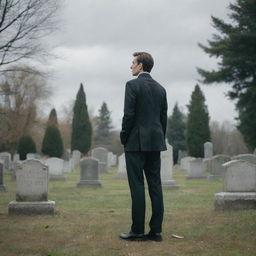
(98, 37)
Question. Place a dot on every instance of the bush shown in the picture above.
(26, 145)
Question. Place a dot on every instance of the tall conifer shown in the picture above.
(198, 131)
(176, 132)
(234, 46)
(81, 126)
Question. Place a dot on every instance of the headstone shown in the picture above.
(66, 155)
(207, 165)
(184, 163)
(16, 157)
(208, 150)
(56, 168)
(89, 173)
(217, 170)
(2, 186)
(166, 168)
(67, 166)
(121, 172)
(76, 156)
(251, 158)
(6, 157)
(111, 159)
(181, 154)
(32, 156)
(32, 190)
(196, 170)
(101, 154)
(239, 187)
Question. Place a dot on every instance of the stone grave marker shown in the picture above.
(89, 173)
(101, 154)
(2, 186)
(56, 168)
(32, 189)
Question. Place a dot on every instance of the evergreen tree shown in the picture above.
(198, 131)
(234, 45)
(176, 132)
(52, 145)
(81, 126)
(26, 145)
(103, 135)
(53, 120)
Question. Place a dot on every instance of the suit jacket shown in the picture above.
(145, 115)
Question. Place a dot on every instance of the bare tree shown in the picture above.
(23, 90)
(227, 139)
(22, 24)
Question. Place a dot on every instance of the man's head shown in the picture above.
(142, 62)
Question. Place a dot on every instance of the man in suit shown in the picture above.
(143, 137)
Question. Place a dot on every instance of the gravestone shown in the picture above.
(101, 154)
(89, 173)
(66, 155)
(2, 186)
(184, 163)
(239, 187)
(16, 157)
(67, 166)
(207, 165)
(208, 150)
(6, 157)
(166, 168)
(32, 156)
(76, 156)
(121, 172)
(217, 170)
(32, 190)
(181, 154)
(251, 158)
(196, 170)
(56, 168)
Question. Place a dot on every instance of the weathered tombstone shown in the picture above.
(67, 166)
(16, 157)
(208, 150)
(56, 168)
(121, 172)
(76, 156)
(239, 187)
(66, 155)
(207, 165)
(196, 170)
(32, 190)
(2, 186)
(101, 154)
(6, 157)
(166, 168)
(89, 173)
(32, 156)
(251, 158)
(184, 163)
(181, 154)
(217, 170)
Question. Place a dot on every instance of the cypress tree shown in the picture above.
(198, 131)
(52, 145)
(103, 126)
(176, 132)
(234, 46)
(53, 120)
(26, 145)
(81, 126)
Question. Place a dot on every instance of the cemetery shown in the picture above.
(88, 210)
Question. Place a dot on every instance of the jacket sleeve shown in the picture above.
(163, 115)
(129, 113)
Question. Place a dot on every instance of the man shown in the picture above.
(143, 137)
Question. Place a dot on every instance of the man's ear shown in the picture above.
(141, 66)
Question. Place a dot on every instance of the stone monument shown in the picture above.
(32, 179)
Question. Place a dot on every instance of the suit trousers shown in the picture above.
(150, 162)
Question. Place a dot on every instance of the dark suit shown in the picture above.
(143, 137)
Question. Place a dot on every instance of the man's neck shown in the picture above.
(143, 72)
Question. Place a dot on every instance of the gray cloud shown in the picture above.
(98, 38)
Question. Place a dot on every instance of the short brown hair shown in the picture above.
(146, 60)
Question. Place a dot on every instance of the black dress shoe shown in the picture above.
(157, 237)
(132, 236)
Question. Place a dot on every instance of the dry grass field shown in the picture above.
(88, 222)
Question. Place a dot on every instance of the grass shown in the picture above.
(88, 222)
